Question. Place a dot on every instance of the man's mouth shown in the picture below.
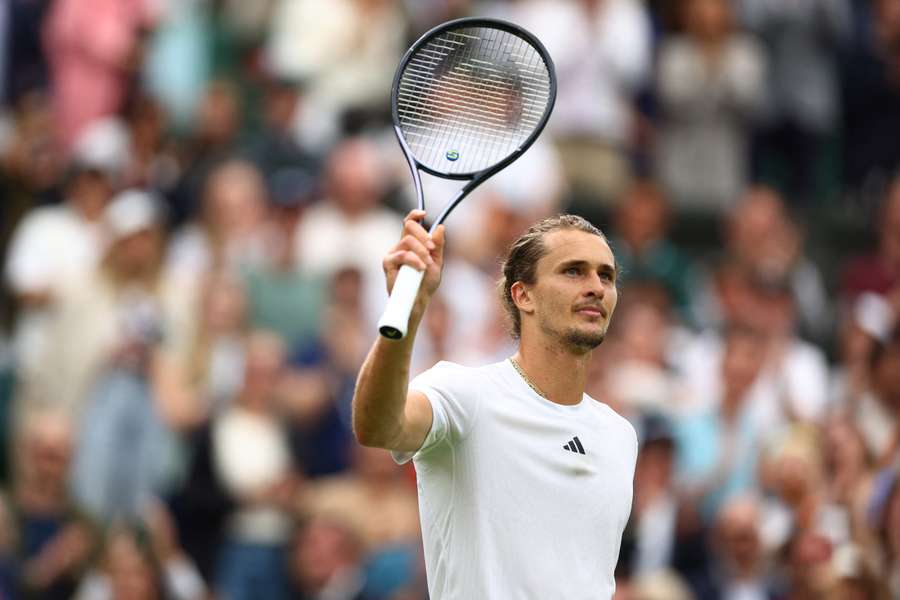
(592, 310)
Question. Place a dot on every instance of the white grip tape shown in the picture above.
(395, 320)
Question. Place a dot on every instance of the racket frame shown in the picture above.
(394, 322)
(475, 178)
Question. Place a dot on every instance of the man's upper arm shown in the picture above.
(418, 416)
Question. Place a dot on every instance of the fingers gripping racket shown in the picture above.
(468, 99)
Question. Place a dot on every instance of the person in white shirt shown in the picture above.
(51, 247)
(525, 481)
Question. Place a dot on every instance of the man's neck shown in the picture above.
(558, 373)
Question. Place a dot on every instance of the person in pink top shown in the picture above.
(92, 49)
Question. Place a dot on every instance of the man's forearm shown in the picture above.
(380, 396)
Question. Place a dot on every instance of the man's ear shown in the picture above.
(522, 297)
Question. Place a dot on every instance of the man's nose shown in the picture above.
(595, 286)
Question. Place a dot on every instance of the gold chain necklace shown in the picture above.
(526, 379)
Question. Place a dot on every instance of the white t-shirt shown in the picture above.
(511, 507)
(51, 248)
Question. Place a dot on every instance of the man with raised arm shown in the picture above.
(525, 481)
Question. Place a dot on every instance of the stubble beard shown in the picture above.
(583, 342)
(579, 342)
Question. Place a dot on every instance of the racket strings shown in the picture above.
(470, 97)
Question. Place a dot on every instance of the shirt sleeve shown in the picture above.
(453, 393)
(28, 262)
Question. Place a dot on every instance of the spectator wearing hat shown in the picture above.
(53, 246)
(109, 332)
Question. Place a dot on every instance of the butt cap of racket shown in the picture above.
(394, 323)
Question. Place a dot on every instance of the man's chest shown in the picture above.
(554, 464)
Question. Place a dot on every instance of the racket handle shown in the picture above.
(395, 320)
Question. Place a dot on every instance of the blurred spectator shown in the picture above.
(807, 567)
(886, 522)
(718, 446)
(871, 98)
(152, 152)
(431, 13)
(803, 39)
(105, 366)
(436, 343)
(213, 362)
(283, 296)
(602, 53)
(879, 271)
(851, 480)
(350, 227)
(855, 579)
(344, 51)
(54, 540)
(23, 66)
(251, 457)
(117, 315)
(643, 379)
(8, 567)
(800, 511)
(274, 145)
(93, 48)
(375, 499)
(326, 562)
(711, 84)
(650, 539)
(51, 247)
(177, 59)
(740, 568)
(764, 238)
(229, 232)
(644, 252)
(213, 140)
(879, 418)
(657, 585)
(143, 564)
(320, 382)
(793, 382)
(31, 167)
(867, 321)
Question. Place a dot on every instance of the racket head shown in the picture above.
(470, 96)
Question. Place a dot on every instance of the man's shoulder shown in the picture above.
(614, 419)
(451, 372)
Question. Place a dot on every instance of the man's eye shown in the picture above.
(572, 271)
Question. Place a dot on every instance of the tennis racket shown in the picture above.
(469, 97)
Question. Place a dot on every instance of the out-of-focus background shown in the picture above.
(196, 197)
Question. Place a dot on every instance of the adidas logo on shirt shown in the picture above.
(574, 445)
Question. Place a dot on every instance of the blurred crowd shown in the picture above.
(196, 196)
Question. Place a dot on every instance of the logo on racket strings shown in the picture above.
(452, 155)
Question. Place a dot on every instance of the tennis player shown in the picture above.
(525, 482)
